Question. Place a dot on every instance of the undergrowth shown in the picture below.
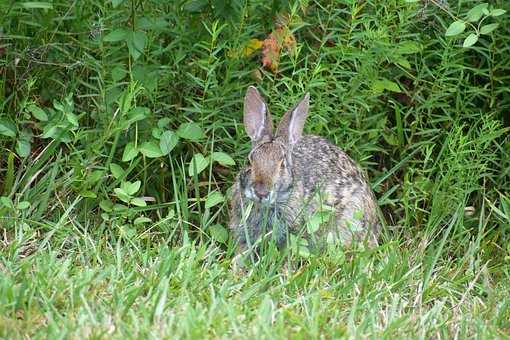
(121, 132)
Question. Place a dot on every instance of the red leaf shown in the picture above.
(271, 53)
(280, 38)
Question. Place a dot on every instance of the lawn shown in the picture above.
(121, 133)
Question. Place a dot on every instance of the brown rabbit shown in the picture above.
(290, 178)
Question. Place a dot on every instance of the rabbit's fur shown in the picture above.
(290, 176)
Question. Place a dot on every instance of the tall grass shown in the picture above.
(120, 134)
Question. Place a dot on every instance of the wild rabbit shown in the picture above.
(291, 179)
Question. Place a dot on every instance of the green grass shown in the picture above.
(106, 231)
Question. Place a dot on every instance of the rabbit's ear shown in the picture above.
(257, 120)
(293, 122)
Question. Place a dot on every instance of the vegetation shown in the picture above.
(120, 134)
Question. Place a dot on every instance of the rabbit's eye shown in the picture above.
(285, 164)
(283, 167)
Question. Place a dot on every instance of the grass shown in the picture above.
(120, 131)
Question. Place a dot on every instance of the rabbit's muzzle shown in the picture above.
(261, 191)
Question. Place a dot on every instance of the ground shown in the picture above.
(121, 132)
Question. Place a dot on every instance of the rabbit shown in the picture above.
(291, 177)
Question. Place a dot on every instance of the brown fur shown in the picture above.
(302, 173)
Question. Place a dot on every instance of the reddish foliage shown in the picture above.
(280, 38)
(271, 53)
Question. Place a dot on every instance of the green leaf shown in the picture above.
(321, 216)
(88, 194)
(486, 29)
(213, 199)
(218, 233)
(408, 47)
(94, 176)
(391, 86)
(304, 252)
(402, 61)
(119, 207)
(475, 13)
(50, 131)
(497, 12)
(505, 206)
(455, 28)
(163, 122)
(390, 138)
(222, 158)
(134, 187)
(58, 106)
(299, 246)
(384, 84)
(106, 205)
(138, 113)
(38, 113)
(116, 170)
(151, 150)
(130, 188)
(116, 35)
(195, 6)
(146, 75)
(470, 40)
(198, 161)
(156, 133)
(313, 223)
(116, 3)
(130, 152)
(358, 215)
(36, 5)
(7, 128)
(6, 202)
(23, 205)
(72, 118)
(190, 131)
(136, 43)
(141, 220)
(378, 86)
(330, 238)
(122, 195)
(23, 147)
(139, 202)
(152, 23)
(118, 73)
(167, 141)
(139, 40)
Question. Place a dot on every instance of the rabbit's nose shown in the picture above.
(260, 190)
